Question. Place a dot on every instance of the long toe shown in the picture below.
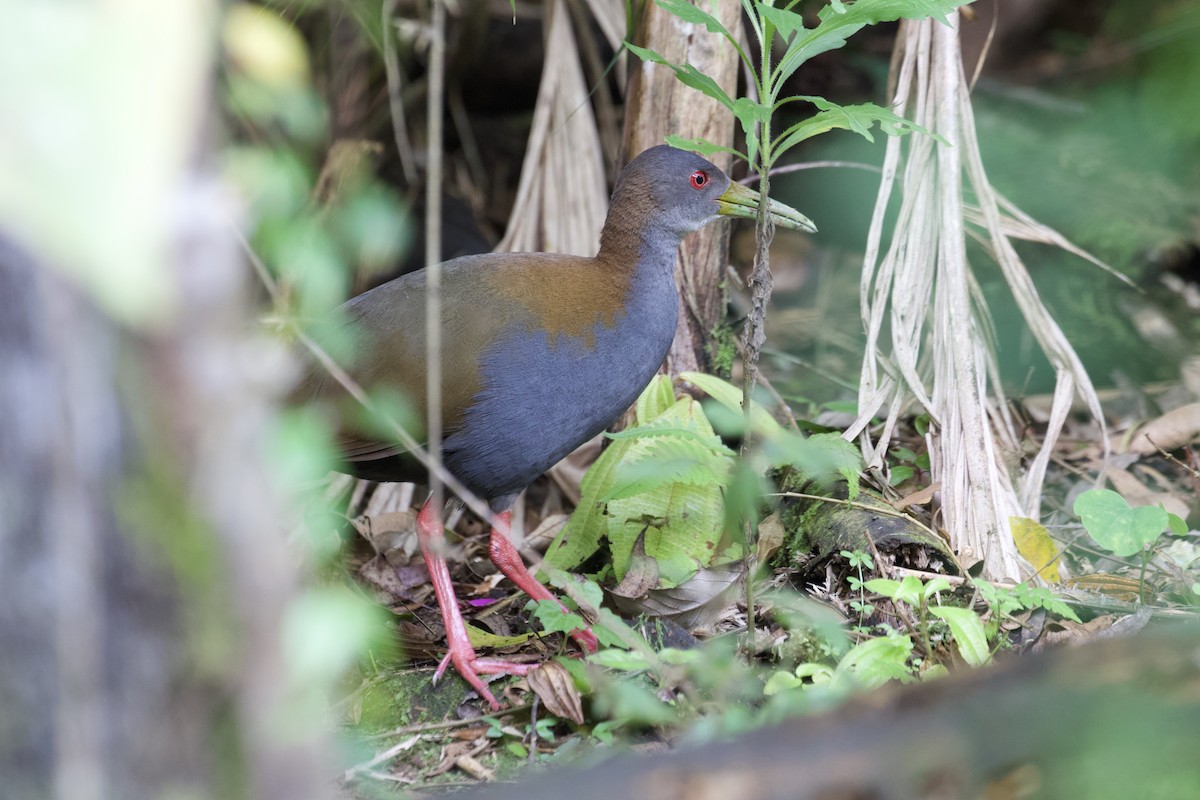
(471, 668)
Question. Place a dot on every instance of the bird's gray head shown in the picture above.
(679, 192)
(675, 189)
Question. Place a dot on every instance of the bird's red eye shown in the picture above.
(699, 179)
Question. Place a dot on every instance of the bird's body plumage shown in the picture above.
(528, 374)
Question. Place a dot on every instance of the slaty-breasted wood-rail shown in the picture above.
(539, 352)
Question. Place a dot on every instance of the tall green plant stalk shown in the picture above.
(836, 22)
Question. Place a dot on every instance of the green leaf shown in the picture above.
(822, 457)
(907, 590)
(934, 586)
(883, 586)
(967, 630)
(481, 638)
(679, 658)
(818, 673)
(623, 660)
(788, 23)
(633, 703)
(751, 114)
(1177, 524)
(1115, 526)
(859, 118)
(554, 619)
(694, 14)
(702, 146)
(671, 460)
(584, 531)
(1040, 597)
(687, 74)
(875, 662)
(840, 21)
(781, 682)
(666, 478)
(730, 396)
(654, 399)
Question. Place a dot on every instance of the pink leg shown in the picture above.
(508, 560)
(461, 654)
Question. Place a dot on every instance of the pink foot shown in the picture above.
(470, 668)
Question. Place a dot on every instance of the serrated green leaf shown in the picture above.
(1116, 526)
(669, 426)
(787, 23)
(691, 524)
(656, 398)
(664, 478)
(554, 619)
(584, 531)
(750, 114)
(688, 12)
(730, 396)
(968, 633)
(819, 457)
(666, 460)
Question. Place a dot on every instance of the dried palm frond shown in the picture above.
(923, 288)
(563, 195)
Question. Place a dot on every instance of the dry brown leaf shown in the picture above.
(770, 537)
(540, 537)
(927, 337)
(694, 604)
(554, 685)
(385, 531)
(917, 498)
(1176, 428)
(454, 751)
(562, 198)
(1069, 632)
(395, 581)
(642, 575)
(473, 767)
(1117, 586)
(1139, 494)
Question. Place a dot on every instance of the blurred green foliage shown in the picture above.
(315, 215)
